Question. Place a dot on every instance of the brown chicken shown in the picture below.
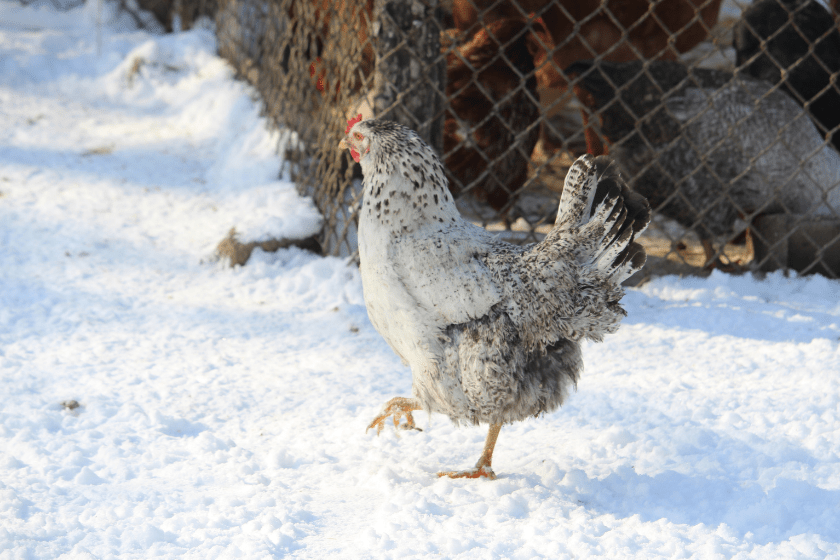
(599, 33)
(601, 28)
(492, 123)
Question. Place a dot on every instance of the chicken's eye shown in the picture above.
(357, 136)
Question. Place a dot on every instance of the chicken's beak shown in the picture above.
(343, 144)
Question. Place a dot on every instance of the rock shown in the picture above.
(802, 243)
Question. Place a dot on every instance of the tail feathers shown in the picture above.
(607, 214)
(578, 196)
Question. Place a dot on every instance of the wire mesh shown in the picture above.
(725, 115)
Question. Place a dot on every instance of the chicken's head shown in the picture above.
(356, 139)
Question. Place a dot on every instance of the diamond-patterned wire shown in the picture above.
(316, 62)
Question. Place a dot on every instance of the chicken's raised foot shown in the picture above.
(397, 407)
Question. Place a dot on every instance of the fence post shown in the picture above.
(410, 72)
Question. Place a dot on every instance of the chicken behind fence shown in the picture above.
(706, 147)
(492, 124)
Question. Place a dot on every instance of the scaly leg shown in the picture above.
(482, 468)
(709, 251)
(397, 407)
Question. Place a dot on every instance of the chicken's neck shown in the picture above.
(407, 198)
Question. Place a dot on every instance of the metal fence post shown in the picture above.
(410, 72)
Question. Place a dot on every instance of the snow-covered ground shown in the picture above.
(223, 411)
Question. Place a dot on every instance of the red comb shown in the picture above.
(351, 122)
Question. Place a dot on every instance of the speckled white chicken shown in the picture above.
(490, 330)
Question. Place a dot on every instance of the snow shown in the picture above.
(223, 411)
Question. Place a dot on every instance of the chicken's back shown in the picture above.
(521, 357)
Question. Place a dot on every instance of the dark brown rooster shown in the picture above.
(492, 123)
(614, 30)
(583, 29)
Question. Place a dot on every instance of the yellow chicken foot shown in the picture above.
(482, 468)
(713, 262)
(397, 407)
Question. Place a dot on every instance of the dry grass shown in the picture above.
(238, 253)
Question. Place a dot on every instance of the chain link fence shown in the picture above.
(726, 115)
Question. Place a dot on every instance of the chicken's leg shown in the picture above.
(482, 468)
(397, 407)
(709, 252)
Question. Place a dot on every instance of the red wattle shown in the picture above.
(355, 155)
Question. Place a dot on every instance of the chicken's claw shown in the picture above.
(482, 467)
(477, 472)
(397, 407)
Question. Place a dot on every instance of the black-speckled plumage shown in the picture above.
(490, 330)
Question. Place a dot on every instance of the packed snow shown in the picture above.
(222, 411)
